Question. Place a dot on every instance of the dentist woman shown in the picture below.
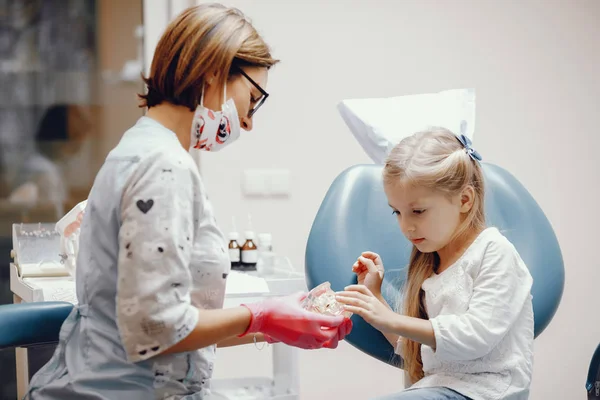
(152, 264)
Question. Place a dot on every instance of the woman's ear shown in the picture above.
(211, 78)
(466, 199)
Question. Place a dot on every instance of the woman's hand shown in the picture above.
(369, 270)
(285, 320)
(361, 301)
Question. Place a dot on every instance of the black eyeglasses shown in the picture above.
(260, 101)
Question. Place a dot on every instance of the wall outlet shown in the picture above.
(279, 182)
(254, 183)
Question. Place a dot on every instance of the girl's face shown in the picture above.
(428, 218)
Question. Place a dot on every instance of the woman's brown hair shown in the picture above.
(205, 40)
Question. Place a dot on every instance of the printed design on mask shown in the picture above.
(201, 144)
(224, 130)
(199, 129)
(162, 374)
(213, 130)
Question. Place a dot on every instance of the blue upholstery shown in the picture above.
(31, 324)
(354, 216)
(593, 376)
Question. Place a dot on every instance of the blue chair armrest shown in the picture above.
(593, 370)
(31, 324)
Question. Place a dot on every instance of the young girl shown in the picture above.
(464, 326)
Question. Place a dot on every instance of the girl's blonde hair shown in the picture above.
(435, 159)
(203, 40)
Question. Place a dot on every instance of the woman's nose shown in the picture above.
(246, 123)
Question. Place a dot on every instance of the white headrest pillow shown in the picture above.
(379, 124)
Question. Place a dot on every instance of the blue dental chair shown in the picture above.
(354, 217)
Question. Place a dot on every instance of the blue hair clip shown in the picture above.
(466, 142)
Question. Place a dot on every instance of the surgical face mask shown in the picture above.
(213, 130)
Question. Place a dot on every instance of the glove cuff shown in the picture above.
(256, 318)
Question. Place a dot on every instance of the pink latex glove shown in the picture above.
(343, 330)
(284, 319)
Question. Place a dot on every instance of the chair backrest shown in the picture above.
(354, 217)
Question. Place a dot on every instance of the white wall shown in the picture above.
(534, 65)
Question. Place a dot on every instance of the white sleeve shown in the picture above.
(499, 294)
(154, 309)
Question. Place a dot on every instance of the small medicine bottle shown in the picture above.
(266, 256)
(249, 253)
(234, 251)
(264, 242)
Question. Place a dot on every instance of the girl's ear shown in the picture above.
(466, 199)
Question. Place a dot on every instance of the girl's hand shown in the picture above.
(369, 270)
(360, 300)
